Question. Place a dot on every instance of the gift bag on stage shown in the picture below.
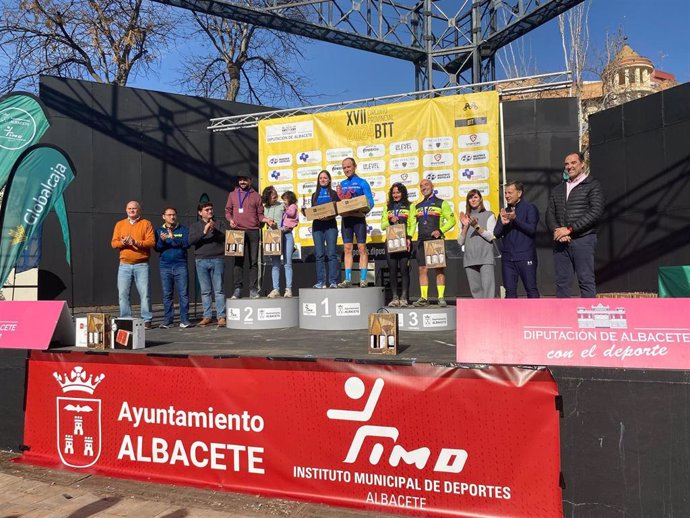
(435, 253)
(234, 243)
(272, 241)
(383, 333)
(396, 239)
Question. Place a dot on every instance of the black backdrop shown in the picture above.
(640, 152)
(154, 147)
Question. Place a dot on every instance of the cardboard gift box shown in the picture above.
(383, 333)
(128, 333)
(98, 330)
(272, 241)
(324, 211)
(80, 334)
(396, 239)
(435, 253)
(234, 243)
(357, 206)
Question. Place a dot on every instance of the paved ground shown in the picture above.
(33, 492)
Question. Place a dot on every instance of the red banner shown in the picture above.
(632, 333)
(419, 440)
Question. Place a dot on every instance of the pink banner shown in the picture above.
(34, 324)
(630, 333)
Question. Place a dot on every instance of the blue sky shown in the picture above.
(657, 30)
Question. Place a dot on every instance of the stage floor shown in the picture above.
(417, 346)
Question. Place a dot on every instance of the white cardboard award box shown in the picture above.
(80, 334)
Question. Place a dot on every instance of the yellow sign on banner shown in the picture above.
(452, 141)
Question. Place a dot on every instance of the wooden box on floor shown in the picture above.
(234, 243)
(383, 333)
(98, 330)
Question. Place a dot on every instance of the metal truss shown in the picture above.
(450, 42)
(523, 85)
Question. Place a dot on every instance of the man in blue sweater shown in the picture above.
(354, 226)
(517, 230)
(172, 241)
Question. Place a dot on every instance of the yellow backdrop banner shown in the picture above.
(453, 141)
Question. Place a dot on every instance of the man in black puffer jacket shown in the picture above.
(575, 208)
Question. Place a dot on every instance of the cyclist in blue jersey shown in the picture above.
(354, 226)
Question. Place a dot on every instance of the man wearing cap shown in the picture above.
(244, 211)
(134, 238)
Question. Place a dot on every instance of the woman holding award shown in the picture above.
(478, 239)
(399, 223)
(325, 235)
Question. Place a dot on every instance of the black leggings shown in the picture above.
(399, 262)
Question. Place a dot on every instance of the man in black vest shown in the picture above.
(574, 210)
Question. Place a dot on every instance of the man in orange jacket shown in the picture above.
(134, 238)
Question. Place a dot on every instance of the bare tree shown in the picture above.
(246, 63)
(104, 40)
(574, 29)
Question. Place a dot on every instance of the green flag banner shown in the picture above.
(22, 123)
(35, 185)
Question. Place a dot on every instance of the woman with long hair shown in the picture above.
(325, 235)
(477, 238)
(399, 211)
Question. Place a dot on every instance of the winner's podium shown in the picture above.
(334, 309)
(428, 318)
(263, 313)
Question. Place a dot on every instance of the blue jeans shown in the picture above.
(576, 257)
(175, 276)
(211, 276)
(288, 248)
(139, 273)
(325, 239)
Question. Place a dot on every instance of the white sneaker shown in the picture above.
(274, 294)
(288, 293)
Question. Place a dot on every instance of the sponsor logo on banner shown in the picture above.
(278, 160)
(437, 143)
(375, 214)
(78, 419)
(308, 157)
(306, 187)
(282, 187)
(289, 131)
(305, 232)
(309, 309)
(374, 166)
(400, 148)
(268, 314)
(403, 163)
(447, 460)
(471, 174)
(335, 170)
(234, 314)
(411, 178)
(445, 192)
(338, 154)
(280, 175)
(473, 140)
(464, 188)
(437, 160)
(347, 309)
(439, 175)
(308, 173)
(371, 151)
(17, 128)
(380, 197)
(413, 194)
(374, 228)
(481, 156)
(376, 182)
